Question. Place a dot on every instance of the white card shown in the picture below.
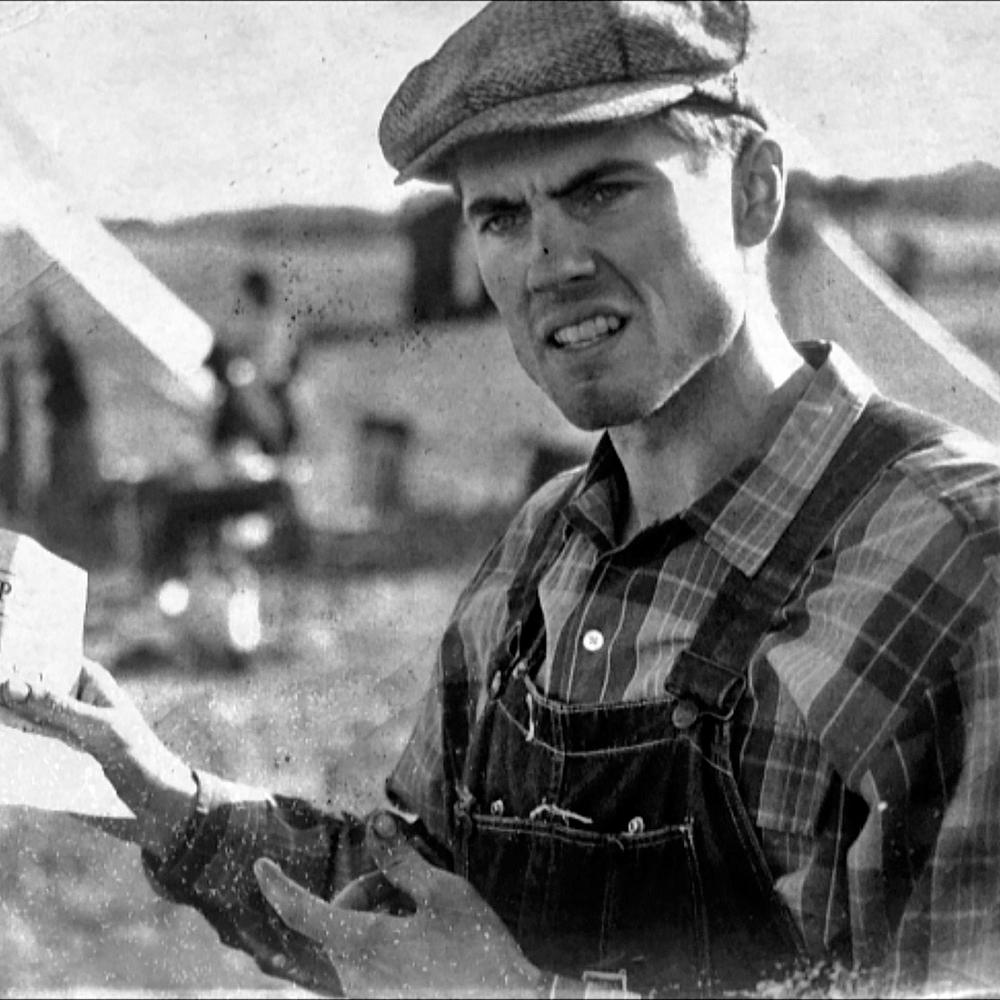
(43, 603)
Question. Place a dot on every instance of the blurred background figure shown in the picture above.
(254, 368)
(72, 487)
(907, 264)
(208, 526)
(14, 490)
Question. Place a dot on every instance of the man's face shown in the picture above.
(612, 261)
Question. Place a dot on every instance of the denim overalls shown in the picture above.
(612, 836)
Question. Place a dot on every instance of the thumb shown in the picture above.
(97, 686)
(399, 861)
(298, 908)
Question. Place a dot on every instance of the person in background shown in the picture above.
(255, 374)
(719, 706)
(73, 483)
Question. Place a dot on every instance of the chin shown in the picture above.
(599, 415)
(622, 401)
(588, 423)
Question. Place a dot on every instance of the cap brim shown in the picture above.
(587, 106)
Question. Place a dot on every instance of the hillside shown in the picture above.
(966, 191)
(298, 222)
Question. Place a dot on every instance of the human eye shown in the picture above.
(597, 195)
(603, 194)
(500, 222)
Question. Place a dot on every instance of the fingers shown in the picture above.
(400, 862)
(94, 686)
(367, 892)
(295, 958)
(63, 717)
(98, 687)
(14, 692)
(339, 930)
(374, 893)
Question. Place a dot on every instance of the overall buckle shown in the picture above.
(596, 984)
(602, 985)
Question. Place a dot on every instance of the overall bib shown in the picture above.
(613, 836)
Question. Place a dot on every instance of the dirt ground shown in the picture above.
(78, 918)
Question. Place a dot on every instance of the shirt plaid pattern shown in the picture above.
(868, 746)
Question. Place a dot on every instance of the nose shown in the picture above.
(560, 254)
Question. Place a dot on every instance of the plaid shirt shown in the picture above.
(868, 748)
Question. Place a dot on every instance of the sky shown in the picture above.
(158, 110)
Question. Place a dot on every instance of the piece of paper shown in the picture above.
(43, 603)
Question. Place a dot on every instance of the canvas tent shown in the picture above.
(827, 288)
(140, 346)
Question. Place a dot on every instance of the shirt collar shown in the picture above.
(598, 504)
(746, 512)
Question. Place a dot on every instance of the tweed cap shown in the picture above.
(542, 64)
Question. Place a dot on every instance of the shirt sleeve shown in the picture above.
(923, 873)
(211, 865)
(418, 782)
(953, 914)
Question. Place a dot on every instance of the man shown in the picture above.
(719, 704)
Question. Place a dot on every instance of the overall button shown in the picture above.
(636, 825)
(685, 714)
(384, 826)
(593, 641)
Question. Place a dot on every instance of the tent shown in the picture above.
(827, 288)
(140, 346)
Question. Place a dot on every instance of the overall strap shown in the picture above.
(712, 671)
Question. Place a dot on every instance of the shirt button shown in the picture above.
(593, 641)
(684, 715)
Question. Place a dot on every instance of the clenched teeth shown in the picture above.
(587, 331)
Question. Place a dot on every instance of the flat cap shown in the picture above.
(541, 64)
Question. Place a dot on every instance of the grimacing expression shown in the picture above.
(611, 256)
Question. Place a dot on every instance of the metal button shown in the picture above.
(496, 683)
(685, 714)
(384, 826)
(593, 641)
(496, 807)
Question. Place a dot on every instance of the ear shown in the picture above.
(758, 191)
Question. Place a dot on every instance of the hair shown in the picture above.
(706, 127)
(709, 128)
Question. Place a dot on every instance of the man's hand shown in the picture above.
(103, 721)
(409, 929)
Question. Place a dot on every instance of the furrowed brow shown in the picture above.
(492, 204)
(591, 175)
(480, 208)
